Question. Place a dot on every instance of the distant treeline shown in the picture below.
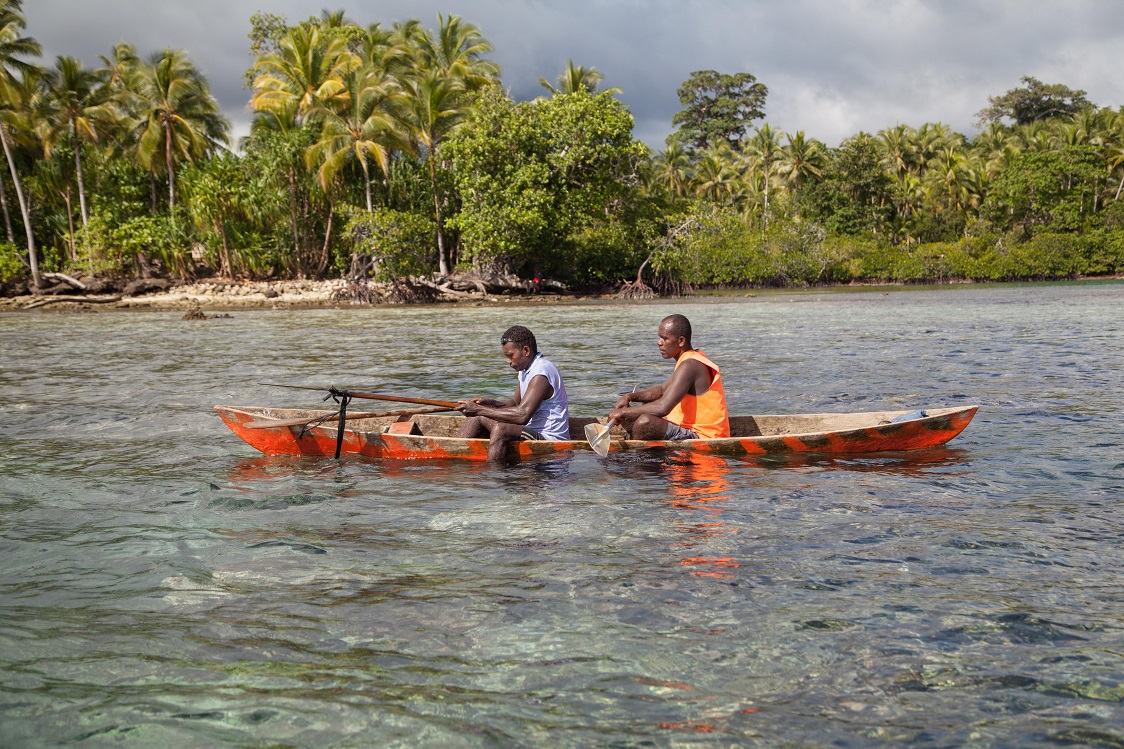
(381, 152)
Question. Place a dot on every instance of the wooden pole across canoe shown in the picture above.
(403, 399)
(371, 396)
(271, 423)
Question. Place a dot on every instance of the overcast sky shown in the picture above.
(833, 67)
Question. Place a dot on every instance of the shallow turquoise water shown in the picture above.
(164, 585)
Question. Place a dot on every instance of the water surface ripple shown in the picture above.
(164, 585)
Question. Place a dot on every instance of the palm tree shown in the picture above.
(15, 100)
(458, 53)
(950, 176)
(71, 107)
(179, 118)
(995, 147)
(49, 177)
(992, 139)
(433, 108)
(1068, 133)
(673, 170)
(380, 48)
(1113, 135)
(365, 130)
(899, 150)
(1115, 159)
(446, 68)
(118, 68)
(334, 19)
(715, 177)
(1034, 137)
(908, 196)
(410, 35)
(574, 78)
(306, 73)
(996, 161)
(18, 99)
(801, 159)
(117, 76)
(762, 152)
(931, 138)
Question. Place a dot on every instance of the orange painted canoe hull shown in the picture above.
(433, 437)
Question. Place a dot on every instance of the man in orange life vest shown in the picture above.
(692, 399)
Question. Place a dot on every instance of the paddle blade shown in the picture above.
(597, 435)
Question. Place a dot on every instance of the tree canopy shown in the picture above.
(1032, 102)
(531, 175)
(718, 107)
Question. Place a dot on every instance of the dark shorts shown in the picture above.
(531, 435)
(676, 432)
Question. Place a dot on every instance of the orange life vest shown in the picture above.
(706, 413)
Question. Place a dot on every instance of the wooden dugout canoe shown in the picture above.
(434, 437)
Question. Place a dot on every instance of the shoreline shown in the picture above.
(219, 295)
(222, 296)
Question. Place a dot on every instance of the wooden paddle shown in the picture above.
(597, 435)
(270, 423)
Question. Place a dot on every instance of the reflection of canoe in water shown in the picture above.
(427, 436)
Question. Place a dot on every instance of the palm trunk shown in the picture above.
(294, 209)
(1118, 189)
(78, 172)
(766, 226)
(171, 169)
(367, 185)
(32, 260)
(227, 270)
(327, 236)
(308, 250)
(7, 216)
(70, 223)
(442, 265)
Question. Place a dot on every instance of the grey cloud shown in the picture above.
(833, 67)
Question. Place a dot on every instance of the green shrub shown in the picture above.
(389, 244)
(108, 247)
(1101, 253)
(11, 267)
(603, 252)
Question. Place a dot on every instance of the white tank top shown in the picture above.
(552, 419)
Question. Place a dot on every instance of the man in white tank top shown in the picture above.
(539, 409)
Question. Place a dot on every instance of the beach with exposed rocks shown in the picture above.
(221, 295)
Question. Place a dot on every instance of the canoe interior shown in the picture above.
(446, 425)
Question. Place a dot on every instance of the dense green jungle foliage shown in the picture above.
(388, 151)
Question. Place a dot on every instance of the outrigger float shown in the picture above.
(414, 435)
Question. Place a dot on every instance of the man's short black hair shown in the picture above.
(521, 337)
(678, 325)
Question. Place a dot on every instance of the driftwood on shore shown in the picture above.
(66, 279)
(73, 300)
(415, 290)
(501, 285)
